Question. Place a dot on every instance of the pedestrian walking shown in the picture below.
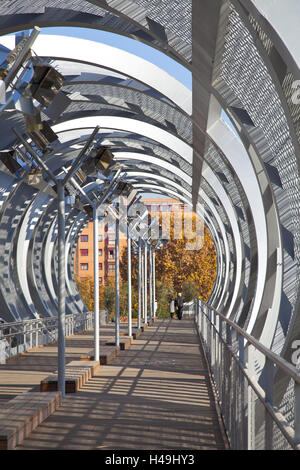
(179, 303)
(172, 307)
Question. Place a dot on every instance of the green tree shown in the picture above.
(189, 290)
(109, 299)
(164, 293)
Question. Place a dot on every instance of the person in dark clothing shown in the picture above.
(179, 303)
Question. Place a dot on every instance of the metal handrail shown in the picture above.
(284, 365)
(213, 338)
(39, 331)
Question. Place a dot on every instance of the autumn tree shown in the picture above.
(178, 267)
(175, 265)
(86, 291)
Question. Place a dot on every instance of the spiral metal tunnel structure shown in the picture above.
(243, 178)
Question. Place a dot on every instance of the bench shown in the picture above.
(110, 351)
(125, 342)
(136, 333)
(77, 373)
(144, 327)
(23, 414)
(107, 355)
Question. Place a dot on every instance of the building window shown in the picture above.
(84, 252)
(100, 251)
(111, 239)
(111, 267)
(100, 280)
(100, 238)
(84, 238)
(111, 254)
(84, 266)
(100, 266)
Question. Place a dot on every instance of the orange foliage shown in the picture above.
(176, 264)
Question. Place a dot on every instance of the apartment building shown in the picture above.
(84, 255)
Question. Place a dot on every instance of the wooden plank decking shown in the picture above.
(155, 395)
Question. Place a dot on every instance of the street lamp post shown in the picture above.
(117, 283)
(145, 281)
(154, 287)
(61, 287)
(139, 283)
(129, 283)
(150, 283)
(96, 282)
(61, 294)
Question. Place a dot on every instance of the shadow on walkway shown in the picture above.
(155, 395)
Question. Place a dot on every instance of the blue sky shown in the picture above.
(129, 45)
(133, 46)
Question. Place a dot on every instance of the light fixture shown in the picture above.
(104, 159)
(100, 158)
(45, 84)
(8, 162)
(89, 210)
(41, 134)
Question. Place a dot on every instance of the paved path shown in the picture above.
(155, 395)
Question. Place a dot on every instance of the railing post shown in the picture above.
(227, 378)
(297, 413)
(217, 357)
(213, 343)
(200, 314)
(204, 329)
(228, 334)
(269, 382)
(197, 313)
(241, 350)
(67, 327)
(154, 277)
(30, 334)
(25, 334)
(209, 337)
(9, 344)
(37, 334)
(241, 428)
(251, 402)
(2, 348)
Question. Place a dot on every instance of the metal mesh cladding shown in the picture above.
(245, 73)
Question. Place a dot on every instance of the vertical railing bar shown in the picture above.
(251, 403)
(297, 413)
(269, 382)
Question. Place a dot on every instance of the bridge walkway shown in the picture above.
(156, 395)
